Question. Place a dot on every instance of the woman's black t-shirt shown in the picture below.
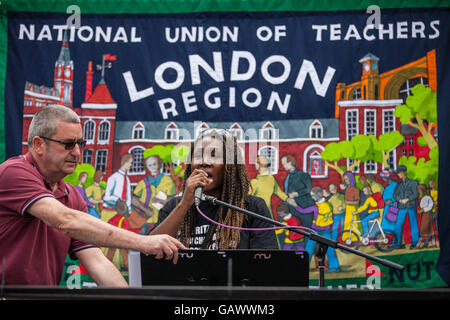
(248, 239)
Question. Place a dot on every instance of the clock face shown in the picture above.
(374, 66)
(366, 67)
(67, 73)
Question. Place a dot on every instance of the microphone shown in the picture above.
(198, 195)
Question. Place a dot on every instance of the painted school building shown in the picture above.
(363, 107)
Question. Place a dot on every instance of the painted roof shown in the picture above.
(64, 54)
(288, 129)
(368, 57)
(40, 90)
(101, 95)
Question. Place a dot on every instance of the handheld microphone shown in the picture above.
(198, 195)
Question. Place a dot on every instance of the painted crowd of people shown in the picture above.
(355, 202)
(134, 210)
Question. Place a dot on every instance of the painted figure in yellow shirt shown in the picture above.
(322, 223)
(265, 185)
(369, 210)
(95, 193)
(152, 192)
(374, 185)
(337, 201)
(352, 198)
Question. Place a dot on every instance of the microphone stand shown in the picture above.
(322, 241)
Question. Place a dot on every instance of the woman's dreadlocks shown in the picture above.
(235, 190)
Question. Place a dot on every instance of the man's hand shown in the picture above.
(162, 246)
(84, 227)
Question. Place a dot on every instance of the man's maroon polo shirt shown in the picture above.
(32, 252)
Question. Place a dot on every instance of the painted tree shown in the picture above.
(162, 151)
(421, 170)
(359, 149)
(332, 154)
(363, 150)
(385, 144)
(420, 112)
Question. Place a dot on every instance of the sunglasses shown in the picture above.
(68, 145)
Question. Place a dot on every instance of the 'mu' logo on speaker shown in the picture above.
(262, 255)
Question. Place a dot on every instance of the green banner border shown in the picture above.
(179, 6)
(185, 6)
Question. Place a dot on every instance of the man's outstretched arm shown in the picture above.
(84, 227)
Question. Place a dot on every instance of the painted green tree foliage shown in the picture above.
(421, 170)
(387, 143)
(333, 153)
(162, 151)
(420, 112)
(361, 148)
(419, 107)
(358, 149)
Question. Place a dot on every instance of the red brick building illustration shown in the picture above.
(97, 112)
(363, 107)
(367, 106)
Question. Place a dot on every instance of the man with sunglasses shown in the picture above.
(42, 219)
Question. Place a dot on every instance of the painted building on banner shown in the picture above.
(304, 139)
(98, 118)
(97, 112)
(37, 96)
(367, 106)
(363, 107)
